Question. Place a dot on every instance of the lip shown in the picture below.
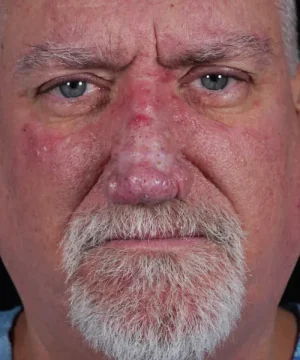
(157, 243)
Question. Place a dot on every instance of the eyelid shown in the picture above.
(197, 73)
(55, 91)
(86, 77)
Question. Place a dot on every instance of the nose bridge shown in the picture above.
(147, 132)
(145, 143)
(146, 120)
(144, 98)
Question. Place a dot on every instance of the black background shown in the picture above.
(9, 297)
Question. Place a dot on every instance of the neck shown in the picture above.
(279, 345)
(285, 336)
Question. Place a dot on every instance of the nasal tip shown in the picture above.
(141, 185)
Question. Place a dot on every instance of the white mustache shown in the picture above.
(173, 219)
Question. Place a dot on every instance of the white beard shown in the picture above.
(143, 304)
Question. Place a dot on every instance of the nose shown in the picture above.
(147, 165)
(142, 184)
(146, 168)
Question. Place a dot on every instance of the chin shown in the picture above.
(148, 304)
(164, 282)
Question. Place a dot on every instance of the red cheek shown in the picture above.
(64, 165)
(37, 143)
(257, 104)
(167, 77)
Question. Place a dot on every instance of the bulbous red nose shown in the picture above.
(146, 167)
(143, 183)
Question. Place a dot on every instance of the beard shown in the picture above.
(176, 303)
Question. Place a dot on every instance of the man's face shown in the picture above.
(128, 119)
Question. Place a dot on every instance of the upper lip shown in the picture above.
(175, 235)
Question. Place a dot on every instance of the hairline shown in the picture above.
(288, 14)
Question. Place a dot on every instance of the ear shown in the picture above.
(296, 89)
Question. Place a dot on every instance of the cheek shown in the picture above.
(246, 157)
(47, 175)
(55, 171)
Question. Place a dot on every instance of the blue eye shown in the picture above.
(215, 82)
(73, 89)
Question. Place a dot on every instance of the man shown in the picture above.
(150, 176)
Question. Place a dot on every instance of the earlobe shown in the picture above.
(296, 90)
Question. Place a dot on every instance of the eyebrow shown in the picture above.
(49, 54)
(247, 47)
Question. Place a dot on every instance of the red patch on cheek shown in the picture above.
(67, 154)
(257, 103)
(180, 111)
(63, 166)
(167, 77)
(37, 144)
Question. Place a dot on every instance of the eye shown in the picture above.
(72, 89)
(215, 82)
(216, 87)
(74, 95)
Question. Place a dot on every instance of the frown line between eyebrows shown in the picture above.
(227, 47)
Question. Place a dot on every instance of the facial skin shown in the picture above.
(237, 149)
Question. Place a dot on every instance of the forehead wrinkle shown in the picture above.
(51, 54)
(230, 47)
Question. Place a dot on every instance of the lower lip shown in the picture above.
(157, 243)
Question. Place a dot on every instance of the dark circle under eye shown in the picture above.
(73, 89)
(215, 82)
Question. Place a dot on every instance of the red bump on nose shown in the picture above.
(142, 184)
(146, 175)
(141, 119)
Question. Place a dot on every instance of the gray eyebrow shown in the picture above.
(229, 47)
(250, 47)
(50, 54)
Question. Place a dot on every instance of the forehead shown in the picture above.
(132, 24)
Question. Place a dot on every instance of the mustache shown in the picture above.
(172, 219)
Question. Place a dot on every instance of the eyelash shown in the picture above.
(238, 75)
(90, 80)
(56, 89)
(95, 99)
(234, 92)
(231, 73)
(228, 82)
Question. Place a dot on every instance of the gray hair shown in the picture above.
(288, 13)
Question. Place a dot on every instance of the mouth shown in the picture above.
(157, 243)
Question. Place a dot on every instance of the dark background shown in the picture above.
(9, 296)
